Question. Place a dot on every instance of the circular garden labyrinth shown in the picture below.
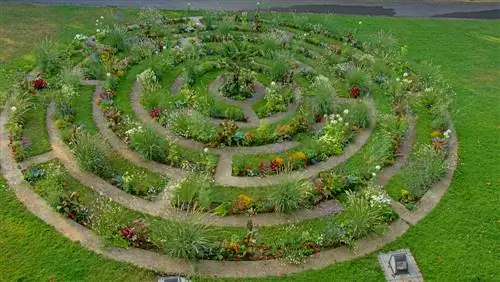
(244, 145)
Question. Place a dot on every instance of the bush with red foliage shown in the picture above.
(155, 112)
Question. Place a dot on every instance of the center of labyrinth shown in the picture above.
(231, 137)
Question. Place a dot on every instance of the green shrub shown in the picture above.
(424, 168)
(287, 198)
(193, 125)
(359, 115)
(92, 154)
(149, 144)
(148, 80)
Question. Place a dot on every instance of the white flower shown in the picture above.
(98, 30)
(341, 119)
(360, 22)
(96, 24)
(377, 167)
(428, 89)
(346, 124)
(13, 109)
(405, 74)
(96, 21)
(346, 111)
(189, 4)
(334, 122)
(164, 47)
(273, 83)
(397, 79)
(337, 116)
(108, 74)
(205, 150)
(102, 17)
(258, 3)
(374, 174)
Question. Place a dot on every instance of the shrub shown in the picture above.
(424, 168)
(240, 85)
(359, 115)
(193, 125)
(149, 144)
(148, 80)
(287, 198)
(92, 154)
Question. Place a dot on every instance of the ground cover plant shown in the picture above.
(370, 263)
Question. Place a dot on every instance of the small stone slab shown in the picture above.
(413, 275)
(172, 279)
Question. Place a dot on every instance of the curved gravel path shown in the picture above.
(164, 264)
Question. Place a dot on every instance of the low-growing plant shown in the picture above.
(71, 206)
(323, 95)
(360, 80)
(116, 37)
(148, 80)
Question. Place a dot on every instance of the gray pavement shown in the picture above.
(402, 8)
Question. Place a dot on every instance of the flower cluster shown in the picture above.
(38, 83)
(355, 91)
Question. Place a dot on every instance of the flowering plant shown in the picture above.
(38, 83)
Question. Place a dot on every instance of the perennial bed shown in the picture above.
(306, 117)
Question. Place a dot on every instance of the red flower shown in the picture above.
(355, 92)
(262, 167)
(155, 112)
(274, 165)
(39, 83)
(127, 232)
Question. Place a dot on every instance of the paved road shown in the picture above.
(401, 8)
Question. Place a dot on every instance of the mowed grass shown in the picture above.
(458, 241)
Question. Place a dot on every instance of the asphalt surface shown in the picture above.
(404, 8)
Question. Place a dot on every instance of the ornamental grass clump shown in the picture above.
(92, 154)
(149, 144)
(186, 239)
(424, 168)
(287, 198)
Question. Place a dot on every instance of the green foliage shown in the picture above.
(116, 37)
(424, 168)
(288, 197)
(280, 69)
(193, 125)
(188, 189)
(149, 144)
(50, 57)
(359, 78)
(240, 84)
(109, 218)
(323, 95)
(148, 81)
(360, 217)
(92, 154)
(187, 240)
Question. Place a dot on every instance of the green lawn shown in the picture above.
(458, 241)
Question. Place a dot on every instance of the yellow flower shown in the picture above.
(280, 161)
(436, 133)
(299, 156)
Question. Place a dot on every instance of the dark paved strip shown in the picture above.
(408, 8)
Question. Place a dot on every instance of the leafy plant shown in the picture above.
(71, 206)
(240, 84)
(148, 80)
(50, 57)
(359, 216)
